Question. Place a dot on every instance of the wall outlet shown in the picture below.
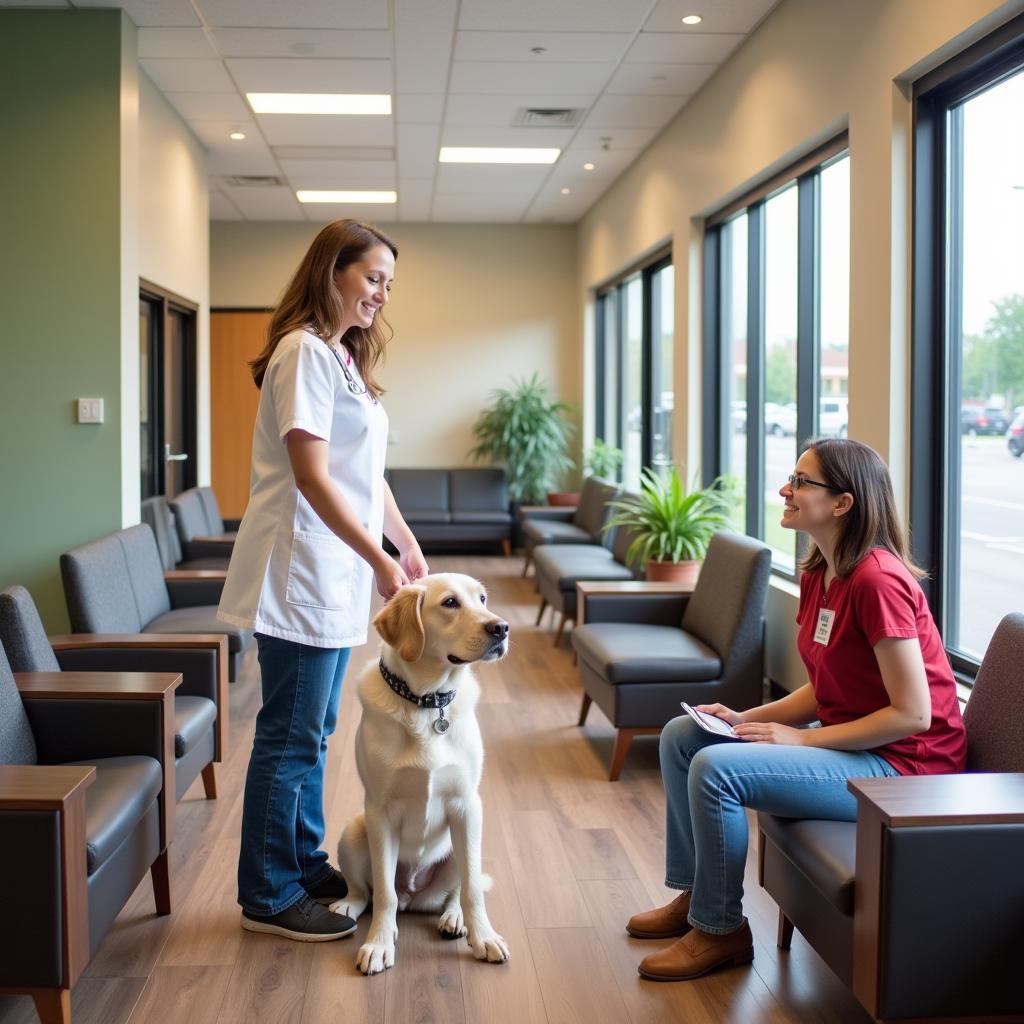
(90, 410)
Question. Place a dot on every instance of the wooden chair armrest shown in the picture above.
(195, 574)
(212, 539)
(584, 588)
(42, 787)
(97, 685)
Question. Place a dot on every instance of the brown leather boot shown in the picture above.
(662, 923)
(698, 953)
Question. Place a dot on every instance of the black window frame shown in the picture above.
(935, 360)
(804, 175)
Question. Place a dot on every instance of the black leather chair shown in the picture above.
(201, 530)
(920, 909)
(583, 524)
(157, 515)
(198, 736)
(641, 654)
(86, 770)
(116, 585)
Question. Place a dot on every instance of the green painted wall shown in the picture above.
(60, 266)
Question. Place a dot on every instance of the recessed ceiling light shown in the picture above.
(692, 19)
(566, 191)
(237, 136)
(588, 167)
(490, 155)
(328, 196)
(318, 103)
(538, 50)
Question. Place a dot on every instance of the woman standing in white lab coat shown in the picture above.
(307, 553)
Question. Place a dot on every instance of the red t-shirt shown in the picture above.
(880, 598)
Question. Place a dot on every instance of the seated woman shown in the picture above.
(880, 686)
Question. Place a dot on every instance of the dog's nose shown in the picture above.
(499, 629)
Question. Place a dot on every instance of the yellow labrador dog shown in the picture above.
(420, 758)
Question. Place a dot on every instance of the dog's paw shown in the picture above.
(489, 946)
(349, 906)
(374, 957)
(451, 924)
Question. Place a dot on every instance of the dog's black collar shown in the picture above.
(437, 699)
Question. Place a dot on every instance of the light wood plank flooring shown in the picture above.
(572, 856)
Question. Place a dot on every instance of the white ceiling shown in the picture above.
(458, 72)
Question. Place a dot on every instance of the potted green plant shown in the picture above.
(673, 527)
(527, 430)
(603, 460)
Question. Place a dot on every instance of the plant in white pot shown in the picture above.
(672, 527)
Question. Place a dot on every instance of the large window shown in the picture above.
(968, 470)
(776, 313)
(634, 389)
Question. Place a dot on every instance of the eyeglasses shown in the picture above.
(797, 480)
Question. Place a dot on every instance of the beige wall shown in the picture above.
(472, 307)
(811, 69)
(173, 247)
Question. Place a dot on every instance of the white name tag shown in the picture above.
(824, 630)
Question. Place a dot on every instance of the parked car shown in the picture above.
(833, 416)
(1015, 436)
(976, 419)
(779, 420)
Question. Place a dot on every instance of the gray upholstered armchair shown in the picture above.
(116, 586)
(642, 652)
(918, 906)
(201, 531)
(583, 524)
(86, 766)
(157, 515)
(199, 731)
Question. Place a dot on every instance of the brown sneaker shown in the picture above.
(698, 953)
(662, 923)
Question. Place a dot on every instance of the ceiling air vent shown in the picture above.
(547, 117)
(252, 180)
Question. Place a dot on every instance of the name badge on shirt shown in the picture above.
(826, 618)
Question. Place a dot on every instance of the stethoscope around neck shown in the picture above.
(355, 387)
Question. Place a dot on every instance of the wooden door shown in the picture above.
(235, 338)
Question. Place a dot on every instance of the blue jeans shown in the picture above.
(283, 807)
(708, 783)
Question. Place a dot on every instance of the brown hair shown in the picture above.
(311, 300)
(871, 522)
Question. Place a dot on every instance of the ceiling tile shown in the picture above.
(278, 203)
(676, 48)
(481, 209)
(334, 182)
(417, 150)
(498, 135)
(415, 188)
(720, 16)
(421, 109)
(368, 213)
(382, 170)
(310, 75)
(616, 139)
(633, 111)
(335, 152)
(188, 75)
(215, 133)
(298, 42)
(175, 43)
(659, 79)
(413, 208)
(338, 14)
(150, 12)
(326, 130)
(489, 179)
(500, 110)
(424, 30)
(560, 46)
(200, 106)
(542, 15)
(516, 78)
(224, 160)
(221, 208)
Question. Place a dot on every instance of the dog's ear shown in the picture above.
(400, 622)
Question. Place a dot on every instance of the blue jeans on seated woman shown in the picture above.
(708, 783)
(283, 807)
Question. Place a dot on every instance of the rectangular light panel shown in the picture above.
(329, 196)
(319, 103)
(491, 155)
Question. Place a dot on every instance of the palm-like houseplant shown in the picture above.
(526, 429)
(672, 526)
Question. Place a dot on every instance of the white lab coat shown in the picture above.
(290, 576)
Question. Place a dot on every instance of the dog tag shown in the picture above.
(441, 725)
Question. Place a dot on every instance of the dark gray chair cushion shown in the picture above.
(478, 492)
(824, 851)
(482, 516)
(157, 515)
(115, 584)
(193, 718)
(564, 564)
(123, 791)
(632, 653)
(549, 531)
(199, 619)
(214, 522)
(22, 633)
(190, 516)
(421, 492)
(994, 716)
(17, 744)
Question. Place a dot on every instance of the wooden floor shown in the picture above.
(572, 856)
